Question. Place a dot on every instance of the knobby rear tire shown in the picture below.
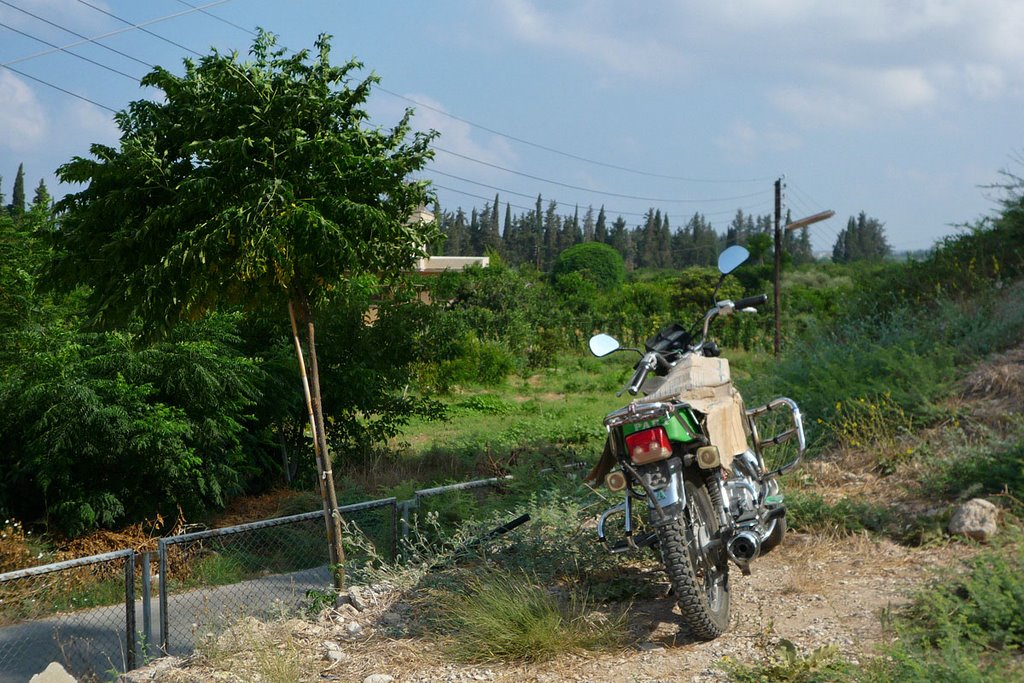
(700, 579)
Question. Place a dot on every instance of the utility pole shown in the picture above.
(778, 265)
(802, 223)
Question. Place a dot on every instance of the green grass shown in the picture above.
(500, 617)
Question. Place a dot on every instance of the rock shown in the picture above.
(379, 678)
(977, 519)
(151, 671)
(391, 619)
(54, 673)
(353, 629)
(334, 654)
(357, 598)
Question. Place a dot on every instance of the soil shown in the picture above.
(812, 591)
(815, 591)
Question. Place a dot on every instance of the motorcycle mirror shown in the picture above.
(603, 344)
(732, 258)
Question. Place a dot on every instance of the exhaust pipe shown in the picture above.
(744, 547)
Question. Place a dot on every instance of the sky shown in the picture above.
(908, 111)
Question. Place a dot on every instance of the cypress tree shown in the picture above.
(18, 196)
(600, 228)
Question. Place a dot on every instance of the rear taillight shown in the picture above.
(648, 445)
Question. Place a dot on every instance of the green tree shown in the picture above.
(18, 195)
(250, 180)
(595, 262)
(863, 239)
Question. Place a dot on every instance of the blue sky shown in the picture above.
(904, 110)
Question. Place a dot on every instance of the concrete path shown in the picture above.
(93, 642)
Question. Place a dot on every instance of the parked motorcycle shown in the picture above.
(691, 456)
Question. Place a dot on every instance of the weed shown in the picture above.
(967, 627)
(787, 665)
(810, 512)
(500, 616)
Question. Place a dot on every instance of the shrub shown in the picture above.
(595, 262)
(499, 616)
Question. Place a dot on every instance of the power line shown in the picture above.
(132, 27)
(218, 18)
(531, 196)
(600, 192)
(57, 87)
(67, 30)
(515, 138)
(559, 152)
(146, 31)
(73, 54)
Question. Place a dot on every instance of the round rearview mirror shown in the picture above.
(603, 344)
(732, 258)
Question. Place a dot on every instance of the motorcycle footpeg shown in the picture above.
(634, 543)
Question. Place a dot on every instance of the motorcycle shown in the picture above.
(691, 456)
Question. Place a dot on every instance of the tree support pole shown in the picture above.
(327, 494)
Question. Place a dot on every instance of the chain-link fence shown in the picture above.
(211, 579)
(80, 613)
(94, 615)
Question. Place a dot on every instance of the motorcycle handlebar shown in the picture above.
(646, 364)
(751, 301)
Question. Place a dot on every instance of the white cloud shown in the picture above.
(598, 33)
(858, 96)
(23, 121)
(742, 140)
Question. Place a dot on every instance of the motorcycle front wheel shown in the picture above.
(697, 568)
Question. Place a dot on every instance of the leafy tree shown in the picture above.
(595, 262)
(251, 180)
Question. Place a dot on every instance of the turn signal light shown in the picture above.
(649, 445)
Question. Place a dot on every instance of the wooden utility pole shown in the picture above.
(802, 223)
(778, 265)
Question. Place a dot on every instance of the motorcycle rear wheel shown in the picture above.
(699, 574)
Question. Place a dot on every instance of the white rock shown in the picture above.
(379, 678)
(353, 628)
(54, 673)
(977, 519)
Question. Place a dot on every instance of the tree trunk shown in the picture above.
(332, 517)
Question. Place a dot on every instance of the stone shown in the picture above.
(151, 671)
(353, 628)
(357, 599)
(391, 619)
(977, 519)
(54, 673)
(379, 678)
(334, 654)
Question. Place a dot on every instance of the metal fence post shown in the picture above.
(394, 530)
(147, 610)
(129, 605)
(162, 589)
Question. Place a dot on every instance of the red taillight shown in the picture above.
(649, 445)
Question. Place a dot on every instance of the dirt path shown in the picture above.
(811, 591)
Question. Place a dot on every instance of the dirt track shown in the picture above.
(812, 591)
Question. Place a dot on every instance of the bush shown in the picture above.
(595, 262)
(498, 616)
